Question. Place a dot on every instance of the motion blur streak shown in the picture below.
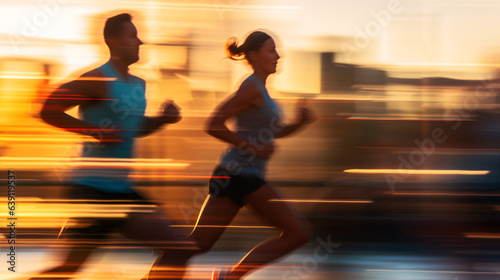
(401, 164)
(321, 201)
(429, 172)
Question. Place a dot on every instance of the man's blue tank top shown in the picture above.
(123, 109)
(257, 125)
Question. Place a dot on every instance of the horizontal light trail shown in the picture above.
(413, 148)
(420, 171)
(87, 201)
(86, 159)
(323, 200)
(39, 139)
(218, 226)
(442, 194)
(22, 162)
(434, 271)
(176, 177)
(406, 119)
(483, 235)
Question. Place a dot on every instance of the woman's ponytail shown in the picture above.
(233, 51)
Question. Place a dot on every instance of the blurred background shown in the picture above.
(399, 170)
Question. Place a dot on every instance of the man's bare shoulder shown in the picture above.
(94, 73)
(90, 84)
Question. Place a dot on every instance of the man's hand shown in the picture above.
(170, 112)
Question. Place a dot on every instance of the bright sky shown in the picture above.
(383, 33)
(412, 31)
(406, 31)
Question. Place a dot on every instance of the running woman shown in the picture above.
(240, 176)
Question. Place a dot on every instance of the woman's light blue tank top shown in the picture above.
(123, 109)
(258, 125)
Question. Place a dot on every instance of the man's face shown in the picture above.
(127, 43)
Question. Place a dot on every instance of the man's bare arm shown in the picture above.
(83, 91)
(170, 114)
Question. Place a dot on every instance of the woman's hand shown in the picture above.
(304, 114)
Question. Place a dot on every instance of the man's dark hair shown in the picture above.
(113, 25)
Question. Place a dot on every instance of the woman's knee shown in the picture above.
(204, 248)
(304, 235)
(299, 235)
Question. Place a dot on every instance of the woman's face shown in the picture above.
(266, 58)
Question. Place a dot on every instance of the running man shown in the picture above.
(111, 105)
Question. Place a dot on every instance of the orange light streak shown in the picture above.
(13, 162)
(432, 271)
(323, 200)
(483, 235)
(421, 171)
(444, 194)
(219, 226)
(179, 176)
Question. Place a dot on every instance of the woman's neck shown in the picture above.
(261, 76)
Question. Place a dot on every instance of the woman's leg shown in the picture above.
(175, 248)
(295, 231)
(215, 215)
